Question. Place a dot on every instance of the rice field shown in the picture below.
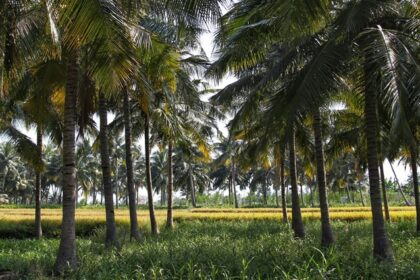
(122, 215)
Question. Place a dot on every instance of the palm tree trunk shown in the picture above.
(66, 257)
(111, 232)
(283, 190)
(311, 195)
(413, 158)
(381, 246)
(234, 184)
(297, 223)
(192, 187)
(407, 203)
(117, 195)
(230, 188)
(134, 227)
(153, 223)
(169, 217)
(384, 196)
(327, 237)
(38, 226)
(301, 195)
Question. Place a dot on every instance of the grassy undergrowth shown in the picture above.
(254, 249)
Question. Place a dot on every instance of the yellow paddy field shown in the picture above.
(122, 215)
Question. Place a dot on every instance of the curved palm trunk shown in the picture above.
(384, 196)
(297, 223)
(381, 246)
(153, 223)
(38, 182)
(407, 203)
(111, 232)
(413, 157)
(134, 227)
(283, 191)
(327, 237)
(66, 257)
(169, 216)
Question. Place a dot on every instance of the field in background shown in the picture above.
(122, 215)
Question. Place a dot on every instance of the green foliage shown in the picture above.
(225, 250)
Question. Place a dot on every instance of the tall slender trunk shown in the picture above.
(297, 223)
(413, 158)
(134, 227)
(234, 183)
(192, 187)
(117, 194)
(283, 190)
(230, 188)
(381, 247)
(66, 257)
(38, 187)
(264, 190)
(407, 203)
(169, 216)
(327, 237)
(153, 222)
(301, 195)
(384, 196)
(111, 232)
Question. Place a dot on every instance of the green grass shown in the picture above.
(225, 250)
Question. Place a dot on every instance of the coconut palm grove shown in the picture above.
(209, 139)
